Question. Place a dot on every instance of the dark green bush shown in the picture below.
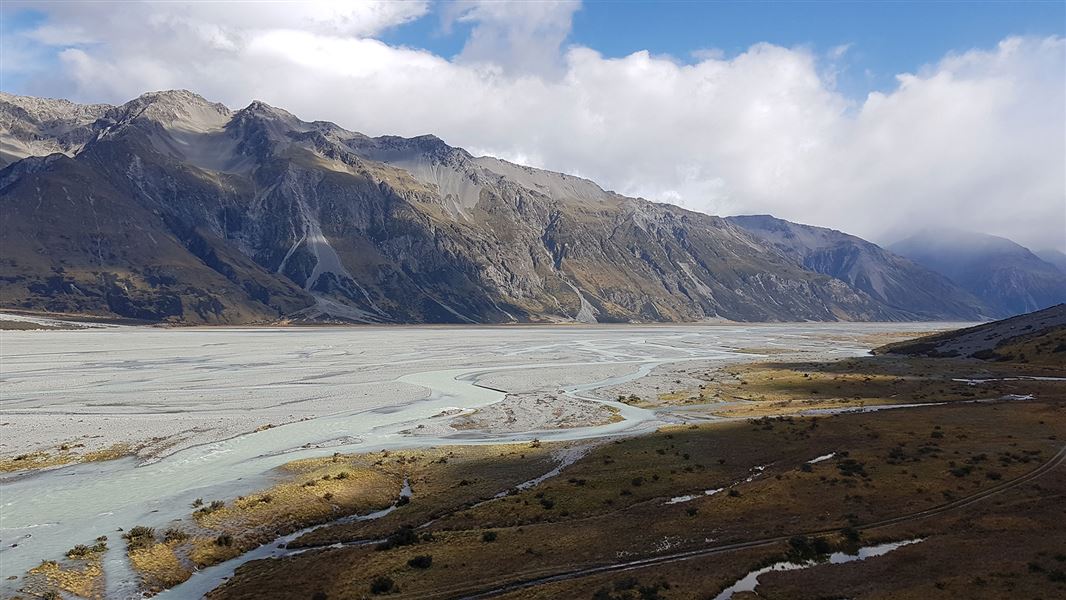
(422, 561)
(79, 551)
(139, 537)
(173, 534)
(382, 585)
(404, 536)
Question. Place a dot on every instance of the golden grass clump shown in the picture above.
(64, 455)
(85, 579)
(159, 566)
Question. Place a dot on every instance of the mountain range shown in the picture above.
(888, 278)
(171, 208)
(1006, 276)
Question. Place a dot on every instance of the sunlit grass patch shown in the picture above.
(64, 454)
(159, 566)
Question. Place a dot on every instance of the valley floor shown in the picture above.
(506, 462)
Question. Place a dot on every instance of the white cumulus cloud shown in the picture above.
(975, 140)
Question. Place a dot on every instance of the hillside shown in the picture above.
(1053, 257)
(886, 277)
(1038, 337)
(1004, 275)
(171, 208)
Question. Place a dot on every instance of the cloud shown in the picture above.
(974, 140)
(516, 36)
(84, 22)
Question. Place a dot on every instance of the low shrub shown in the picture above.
(173, 534)
(382, 585)
(422, 561)
(139, 537)
(404, 536)
(79, 551)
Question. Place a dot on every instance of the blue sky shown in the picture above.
(883, 38)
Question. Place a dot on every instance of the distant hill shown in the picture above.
(887, 277)
(1006, 276)
(1038, 337)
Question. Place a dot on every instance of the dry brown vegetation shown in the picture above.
(1046, 349)
(309, 492)
(455, 537)
(80, 573)
(779, 388)
(612, 505)
(65, 454)
(159, 566)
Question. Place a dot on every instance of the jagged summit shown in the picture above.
(262, 109)
(40, 126)
(180, 109)
(54, 109)
(177, 97)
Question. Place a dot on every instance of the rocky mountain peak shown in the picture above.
(40, 126)
(1005, 275)
(427, 146)
(46, 110)
(887, 277)
(261, 110)
(179, 109)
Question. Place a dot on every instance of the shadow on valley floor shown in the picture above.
(694, 488)
(703, 503)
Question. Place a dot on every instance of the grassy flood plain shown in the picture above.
(613, 504)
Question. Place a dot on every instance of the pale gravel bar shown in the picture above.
(196, 397)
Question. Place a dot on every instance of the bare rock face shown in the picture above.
(172, 208)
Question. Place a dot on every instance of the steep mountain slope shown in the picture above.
(1007, 277)
(885, 276)
(1053, 257)
(178, 209)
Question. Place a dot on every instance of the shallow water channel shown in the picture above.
(749, 582)
(45, 514)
